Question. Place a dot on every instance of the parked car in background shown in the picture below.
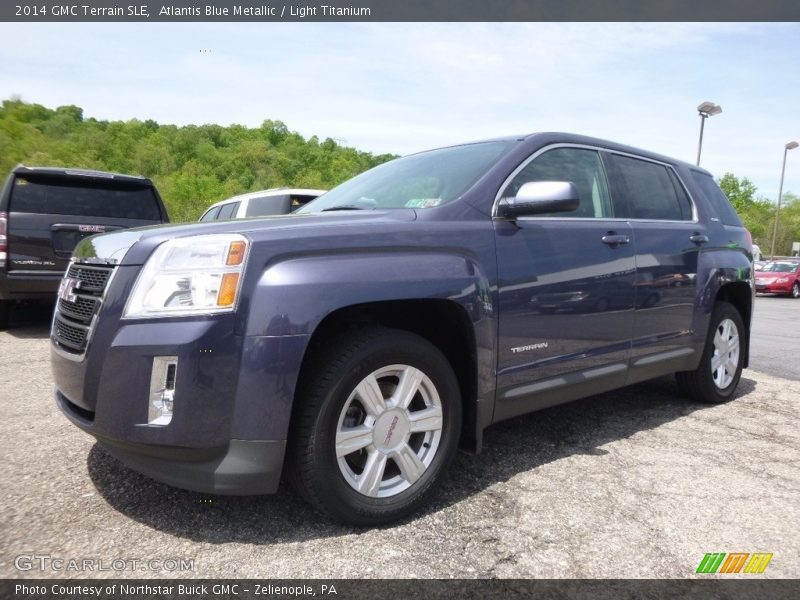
(277, 201)
(45, 212)
(355, 344)
(779, 277)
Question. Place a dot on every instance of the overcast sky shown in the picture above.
(406, 87)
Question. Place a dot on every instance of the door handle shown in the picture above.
(613, 239)
(698, 238)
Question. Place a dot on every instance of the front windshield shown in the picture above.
(421, 180)
(780, 267)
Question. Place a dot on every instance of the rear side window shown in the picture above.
(268, 205)
(228, 211)
(210, 214)
(649, 191)
(717, 199)
(61, 197)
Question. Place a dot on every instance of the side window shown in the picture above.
(683, 197)
(649, 192)
(299, 200)
(268, 205)
(227, 211)
(211, 214)
(580, 166)
(717, 199)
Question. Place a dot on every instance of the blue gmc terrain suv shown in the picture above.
(354, 345)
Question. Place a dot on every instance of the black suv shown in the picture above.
(45, 212)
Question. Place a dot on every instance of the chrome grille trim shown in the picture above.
(73, 321)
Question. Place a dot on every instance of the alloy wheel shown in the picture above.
(389, 431)
(725, 358)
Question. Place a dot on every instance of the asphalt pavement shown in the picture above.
(775, 343)
(634, 483)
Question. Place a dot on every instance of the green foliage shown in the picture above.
(192, 166)
(758, 214)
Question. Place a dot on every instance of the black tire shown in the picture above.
(5, 309)
(795, 290)
(327, 382)
(699, 385)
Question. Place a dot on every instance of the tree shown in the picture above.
(192, 166)
(741, 192)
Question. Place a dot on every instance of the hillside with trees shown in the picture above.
(195, 166)
(192, 166)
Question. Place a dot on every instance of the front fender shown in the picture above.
(293, 296)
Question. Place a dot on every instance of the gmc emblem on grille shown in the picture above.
(66, 291)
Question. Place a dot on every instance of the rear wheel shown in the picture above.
(716, 377)
(377, 422)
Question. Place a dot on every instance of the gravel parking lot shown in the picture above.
(633, 483)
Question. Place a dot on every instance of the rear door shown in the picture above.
(49, 215)
(667, 238)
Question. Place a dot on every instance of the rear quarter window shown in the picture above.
(228, 211)
(211, 214)
(717, 199)
(62, 197)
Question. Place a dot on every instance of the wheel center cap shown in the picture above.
(391, 430)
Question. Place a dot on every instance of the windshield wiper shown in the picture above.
(345, 207)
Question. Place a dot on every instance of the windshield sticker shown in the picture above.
(423, 202)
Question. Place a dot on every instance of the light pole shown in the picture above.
(705, 110)
(789, 146)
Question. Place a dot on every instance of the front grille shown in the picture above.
(82, 309)
(76, 310)
(69, 335)
(91, 278)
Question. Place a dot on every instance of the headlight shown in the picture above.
(190, 276)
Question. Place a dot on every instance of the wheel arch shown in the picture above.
(444, 323)
(740, 295)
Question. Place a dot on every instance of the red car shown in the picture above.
(779, 277)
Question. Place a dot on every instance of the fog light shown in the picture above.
(162, 390)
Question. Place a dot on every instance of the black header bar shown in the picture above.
(398, 10)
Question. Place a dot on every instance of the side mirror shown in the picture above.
(538, 197)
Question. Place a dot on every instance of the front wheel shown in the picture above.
(715, 379)
(377, 422)
(796, 290)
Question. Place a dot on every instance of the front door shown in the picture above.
(566, 286)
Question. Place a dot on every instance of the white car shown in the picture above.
(278, 201)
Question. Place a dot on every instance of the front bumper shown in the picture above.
(242, 467)
(774, 288)
(232, 402)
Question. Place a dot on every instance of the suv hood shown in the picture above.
(134, 246)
